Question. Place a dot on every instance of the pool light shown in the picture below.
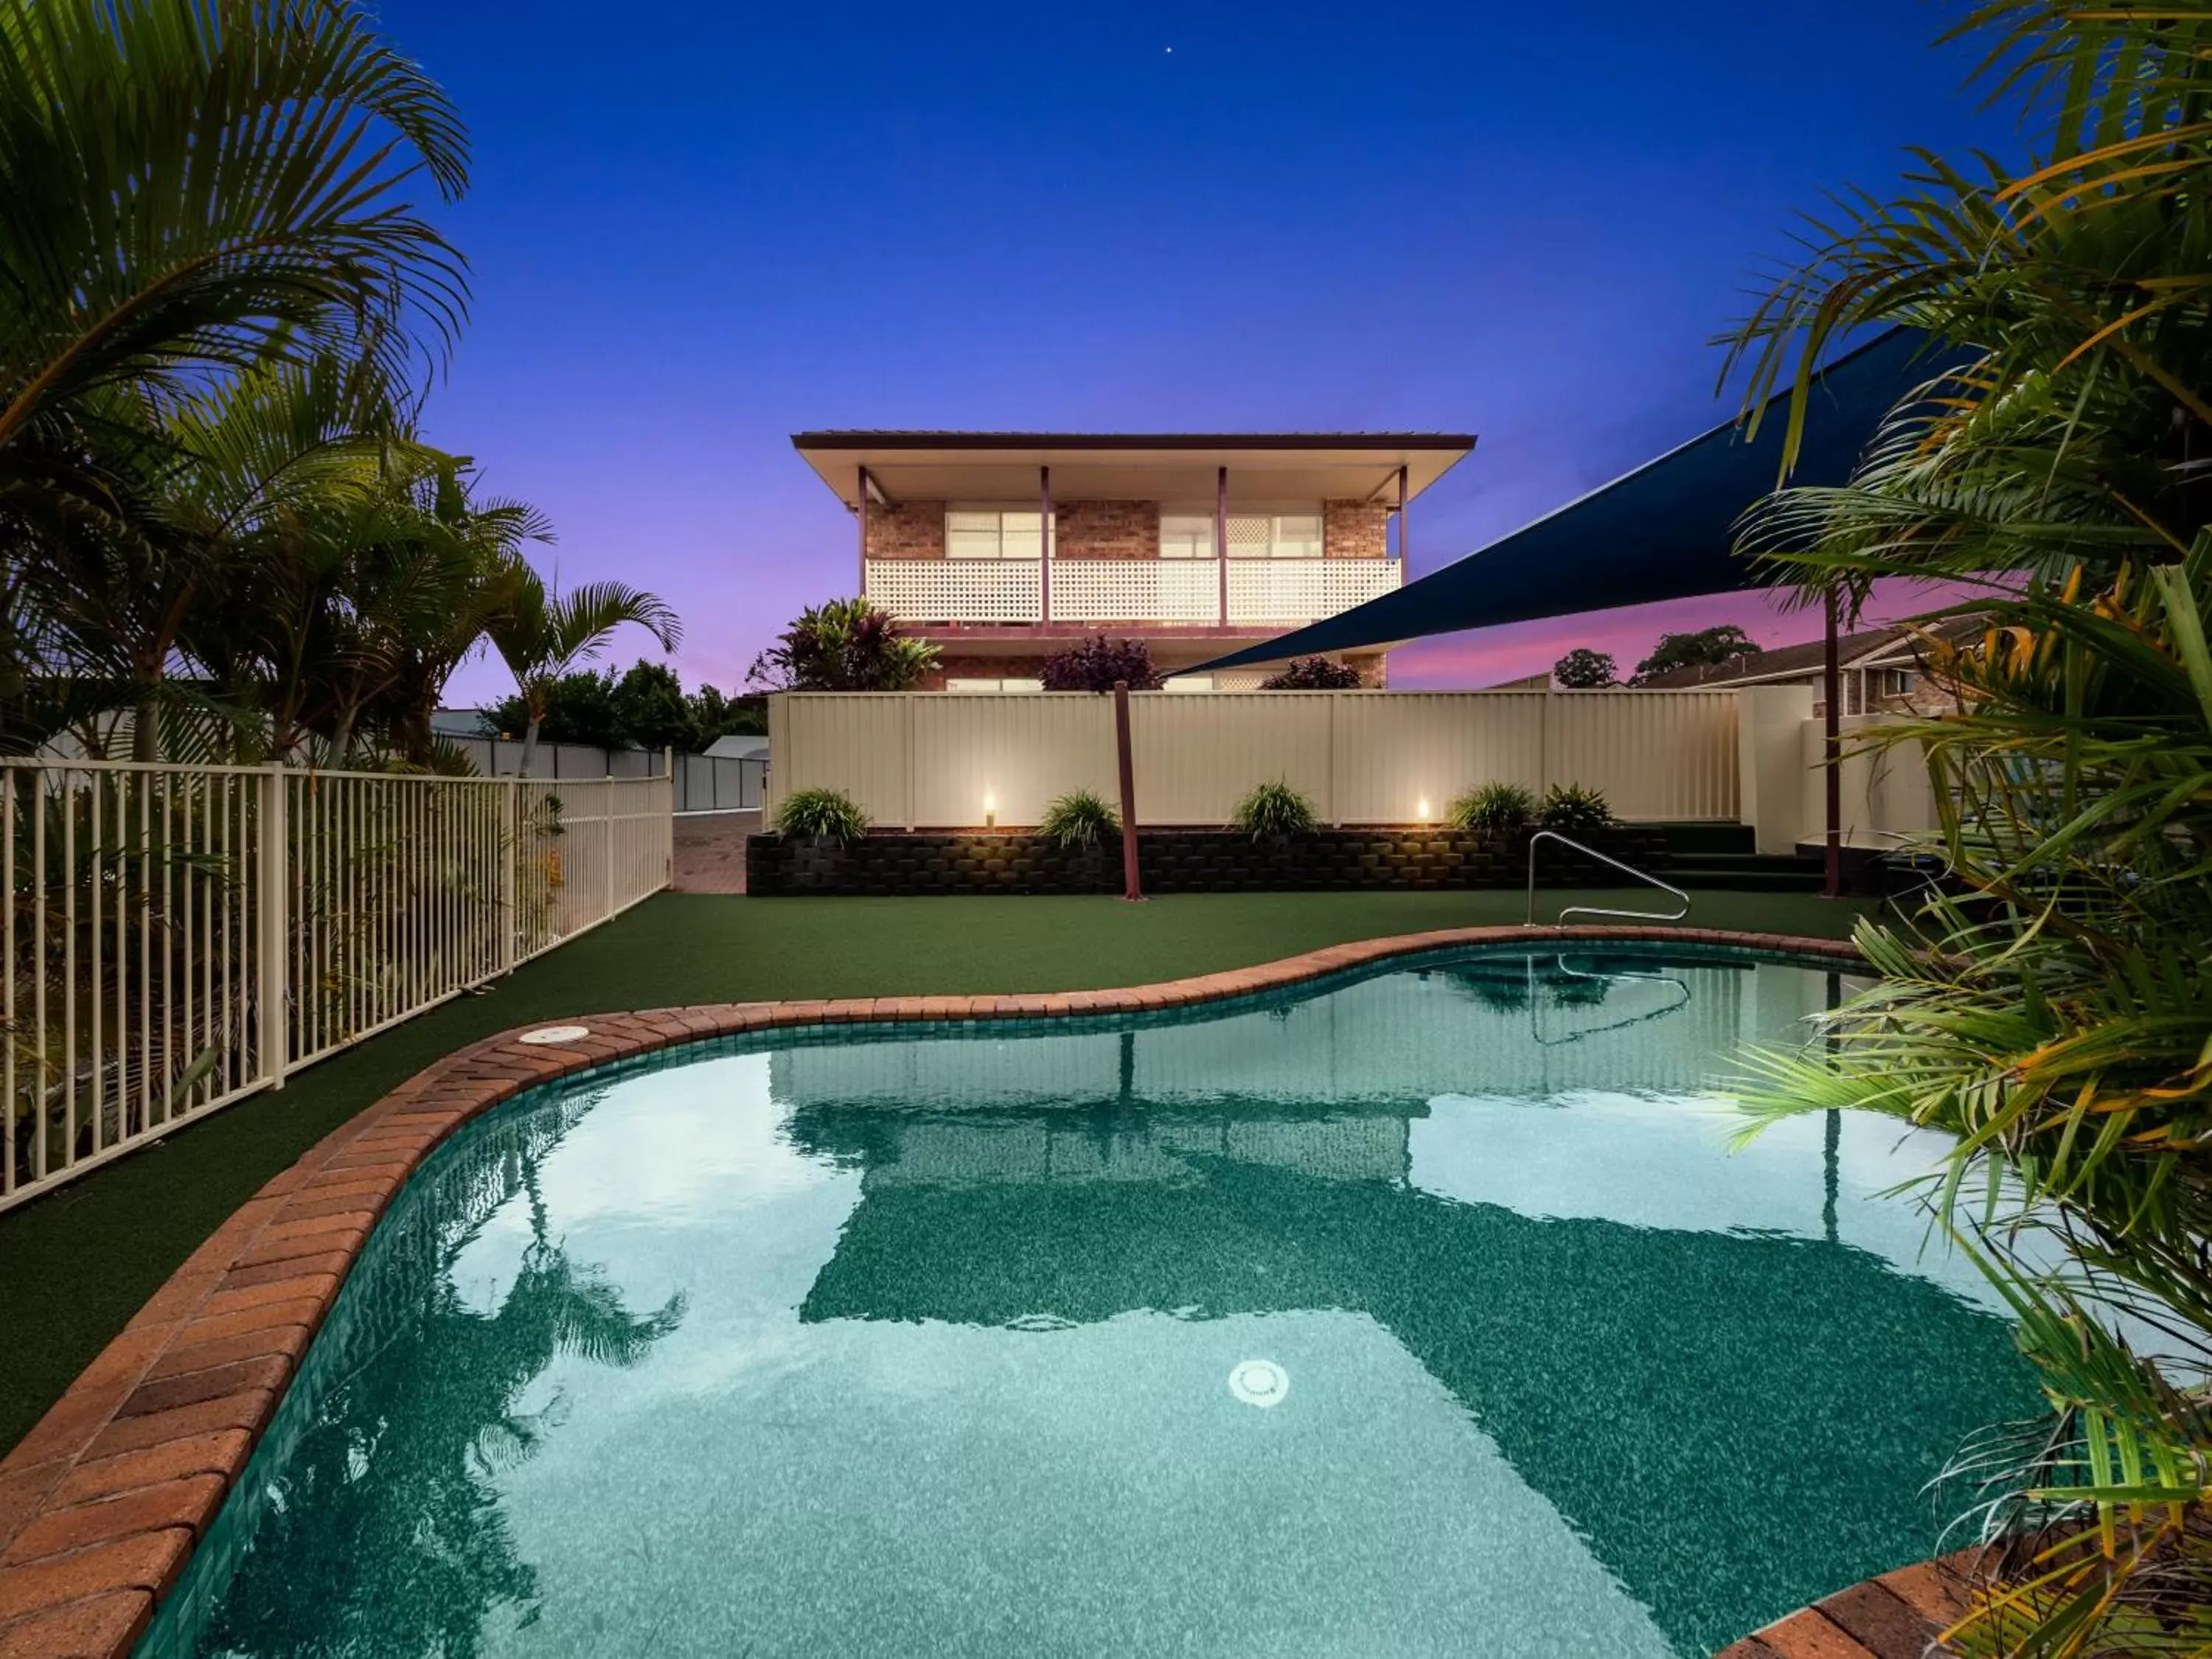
(1259, 1382)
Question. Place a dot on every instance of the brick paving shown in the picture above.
(710, 851)
(102, 1502)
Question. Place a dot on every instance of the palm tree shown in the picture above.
(435, 600)
(2054, 1010)
(257, 477)
(187, 188)
(541, 636)
(188, 193)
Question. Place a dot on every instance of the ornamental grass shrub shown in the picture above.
(829, 813)
(1274, 809)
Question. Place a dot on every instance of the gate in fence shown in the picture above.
(177, 938)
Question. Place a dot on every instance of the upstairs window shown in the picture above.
(1186, 535)
(1275, 536)
(1251, 535)
(991, 532)
(1295, 536)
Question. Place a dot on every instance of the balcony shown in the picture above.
(1269, 593)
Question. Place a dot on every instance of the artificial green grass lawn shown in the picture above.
(77, 1264)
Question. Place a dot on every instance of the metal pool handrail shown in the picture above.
(1529, 920)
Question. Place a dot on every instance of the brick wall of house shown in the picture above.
(1106, 530)
(908, 530)
(1355, 530)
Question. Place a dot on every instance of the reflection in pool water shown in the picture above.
(872, 1343)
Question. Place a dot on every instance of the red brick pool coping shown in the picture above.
(1898, 1615)
(102, 1502)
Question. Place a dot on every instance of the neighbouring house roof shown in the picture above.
(1264, 467)
(1665, 531)
(457, 722)
(1784, 662)
(746, 747)
(1878, 647)
(1527, 682)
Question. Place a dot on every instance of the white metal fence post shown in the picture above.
(607, 820)
(273, 863)
(510, 836)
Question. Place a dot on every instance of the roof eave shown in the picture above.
(1462, 442)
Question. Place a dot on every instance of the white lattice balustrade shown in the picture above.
(1170, 591)
(955, 590)
(1290, 591)
(1135, 590)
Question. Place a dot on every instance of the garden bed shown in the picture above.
(900, 864)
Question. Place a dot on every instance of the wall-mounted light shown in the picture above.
(990, 809)
(1421, 809)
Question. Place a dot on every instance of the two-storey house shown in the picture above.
(1004, 548)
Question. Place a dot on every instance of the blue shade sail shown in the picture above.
(1666, 531)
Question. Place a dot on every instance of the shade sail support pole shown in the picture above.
(1133, 886)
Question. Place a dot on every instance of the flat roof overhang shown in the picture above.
(1176, 466)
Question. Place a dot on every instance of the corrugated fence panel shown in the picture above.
(1397, 749)
(1197, 753)
(930, 759)
(859, 742)
(1010, 755)
(1658, 756)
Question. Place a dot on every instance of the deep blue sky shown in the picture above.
(697, 229)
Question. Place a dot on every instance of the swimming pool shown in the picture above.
(1416, 1311)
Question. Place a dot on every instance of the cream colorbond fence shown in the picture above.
(177, 938)
(925, 760)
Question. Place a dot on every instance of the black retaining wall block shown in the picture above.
(886, 864)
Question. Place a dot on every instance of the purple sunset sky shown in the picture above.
(696, 230)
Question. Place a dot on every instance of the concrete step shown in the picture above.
(1719, 864)
(1690, 840)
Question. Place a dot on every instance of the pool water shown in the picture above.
(1421, 1312)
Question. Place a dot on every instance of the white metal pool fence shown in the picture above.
(179, 937)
